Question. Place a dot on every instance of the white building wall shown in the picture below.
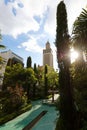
(6, 55)
(9, 54)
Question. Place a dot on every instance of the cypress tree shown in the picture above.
(29, 62)
(34, 86)
(66, 106)
(45, 81)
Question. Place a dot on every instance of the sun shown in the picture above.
(73, 55)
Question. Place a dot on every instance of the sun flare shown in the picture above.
(73, 55)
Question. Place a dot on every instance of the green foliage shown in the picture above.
(1, 46)
(29, 62)
(60, 124)
(30, 79)
(8, 117)
(53, 79)
(35, 68)
(45, 81)
(19, 76)
(79, 68)
(35, 84)
(79, 33)
(67, 108)
(79, 76)
(0, 59)
(12, 105)
(61, 30)
(13, 75)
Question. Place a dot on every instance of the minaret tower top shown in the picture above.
(47, 45)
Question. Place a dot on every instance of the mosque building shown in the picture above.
(47, 55)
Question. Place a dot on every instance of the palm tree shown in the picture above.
(1, 46)
(79, 33)
(79, 38)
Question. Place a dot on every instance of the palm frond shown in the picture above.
(2, 47)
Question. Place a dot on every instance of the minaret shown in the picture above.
(47, 55)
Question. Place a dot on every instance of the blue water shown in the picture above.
(47, 122)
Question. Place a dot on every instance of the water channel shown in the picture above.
(47, 122)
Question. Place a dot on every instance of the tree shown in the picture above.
(12, 84)
(52, 82)
(79, 38)
(67, 109)
(19, 76)
(29, 82)
(79, 33)
(13, 75)
(45, 81)
(1, 46)
(79, 80)
(29, 62)
(53, 78)
(34, 86)
(40, 81)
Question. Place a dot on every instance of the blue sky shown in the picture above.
(26, 25)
